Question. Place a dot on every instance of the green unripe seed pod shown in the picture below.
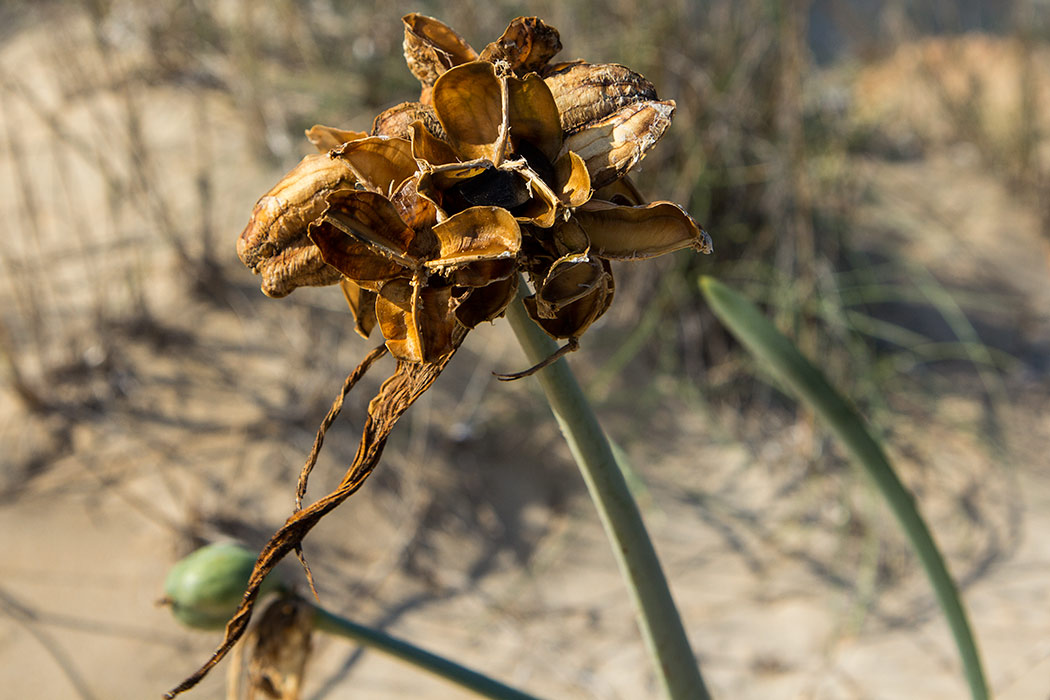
(205, 588)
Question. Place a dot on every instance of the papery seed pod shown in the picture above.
(612, 146)
(587, 93)
(362, 303)
(282, 648)
(639, 232)
(432, 47)
(477, 305)
(325, 138)
(397, 121)
(527, 45)
(274, 244)
(573, 319)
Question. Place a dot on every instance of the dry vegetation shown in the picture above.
(889, 212)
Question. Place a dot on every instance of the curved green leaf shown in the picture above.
(777, 351)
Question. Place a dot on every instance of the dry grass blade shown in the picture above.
(408, 382)
(333, 413)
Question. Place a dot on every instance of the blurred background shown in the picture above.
(874, 174)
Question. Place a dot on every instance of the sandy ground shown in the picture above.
(184, 416)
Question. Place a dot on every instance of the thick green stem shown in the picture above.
(658, 618)
(460, 675)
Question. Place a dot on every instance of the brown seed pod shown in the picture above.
(527, 45)
(282, 648)
(397, 121)
(587, 93)
(274, 244)
(325, 138)
(612, 146)
(432, 47)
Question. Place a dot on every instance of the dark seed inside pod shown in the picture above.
(493, 188)
(537, 161)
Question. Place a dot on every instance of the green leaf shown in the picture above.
(781, 356)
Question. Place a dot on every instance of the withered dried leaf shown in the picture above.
(397, 394)
(573, 319)
(478, 305)
(373, 220)
(274, 244)
(571, 278)
(415, 210)
(527, 45)
(483, 272)
(429, 148)
(417, 321)
(539, 205)
(352, 257)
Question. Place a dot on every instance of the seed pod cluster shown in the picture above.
(505, 164)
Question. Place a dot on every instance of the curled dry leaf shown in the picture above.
(533, 115)
(571, 278)
(417, 322)
(428, 148)
(370, 219)
(574, 180)
(476, 234)
(487, 303)
(573, 319)
(380, 163)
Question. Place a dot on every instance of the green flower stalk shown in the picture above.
(205, 588)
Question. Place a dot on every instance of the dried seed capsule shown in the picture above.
(397, 121)
(613, 145)
(432, 47)
(587, 93)
(274, 244)
(527, 45)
